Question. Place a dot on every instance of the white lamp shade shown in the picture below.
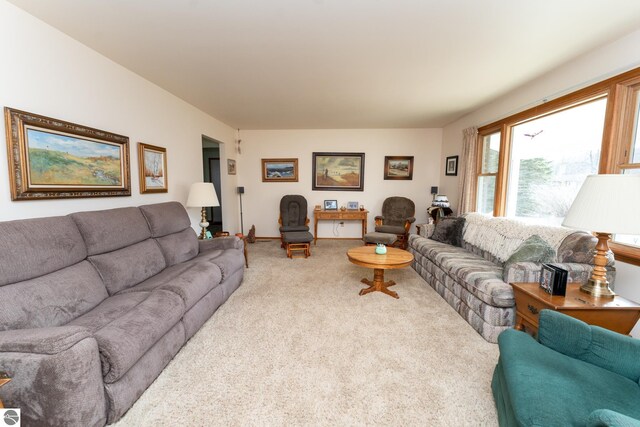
(202, 194)
(607, 204)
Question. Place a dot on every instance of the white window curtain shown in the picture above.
(467, 167)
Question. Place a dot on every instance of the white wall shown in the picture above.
(609, 60)
(261, 199)
(48, 73)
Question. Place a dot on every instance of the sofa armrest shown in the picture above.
(530, 272)
(425, 230)
(220, 243)
(592, 344)
(609, 418)
(56, 377)
(42, 340)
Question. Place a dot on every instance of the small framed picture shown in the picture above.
(451, 166)
(558, 282)
(152, 162)
(547, 274)
(231, 167)
(330, 205)
(398, 167)
(279, 170)
(352, 206)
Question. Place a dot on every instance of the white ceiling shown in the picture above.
(311, 64)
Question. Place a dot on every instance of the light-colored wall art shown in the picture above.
(152, 162)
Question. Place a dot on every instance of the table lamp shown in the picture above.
(203, 194)
(605, 205)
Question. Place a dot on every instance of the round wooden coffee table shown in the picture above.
(365, 256)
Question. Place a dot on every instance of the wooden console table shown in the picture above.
(347, 215)
(616, 314)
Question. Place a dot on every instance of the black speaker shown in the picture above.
(240, 190)
(434, 190)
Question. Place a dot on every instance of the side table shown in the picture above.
(617, 314)
(4, 378)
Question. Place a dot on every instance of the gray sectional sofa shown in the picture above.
(471, 266)
(94, 305)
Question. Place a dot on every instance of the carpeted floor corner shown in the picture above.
(296, 345)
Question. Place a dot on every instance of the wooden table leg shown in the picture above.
(315, 231)
(519, 326)
(378, 284)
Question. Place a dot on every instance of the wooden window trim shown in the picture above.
(616, 138)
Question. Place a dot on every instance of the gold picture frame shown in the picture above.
(398, 167)
(53, 159)
(279, 170)
(152, 169)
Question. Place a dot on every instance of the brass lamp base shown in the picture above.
(598, 289)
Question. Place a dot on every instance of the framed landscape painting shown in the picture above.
(279, 170)
(398, 167)
(50, 159)
(152, 165)
(338, 171)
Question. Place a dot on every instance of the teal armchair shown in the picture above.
(573, 375)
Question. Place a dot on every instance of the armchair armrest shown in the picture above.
(220, 243)
(598, 346)
(609, 418)
(379, 217)
(56, 376)
(411, 220)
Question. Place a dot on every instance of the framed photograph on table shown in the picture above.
(152, 168)
(451, 166)
(352, 206)
(279, 170)
(338, 171)
(330, 205)
(54, 159)
(398, 167)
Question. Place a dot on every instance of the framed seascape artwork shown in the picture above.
(54, 159)
(231, 167)
(398, 167)
(338, 171)
(279, 170)
(451, 166)
(152, 162)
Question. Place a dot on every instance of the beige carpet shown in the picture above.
(296, 345)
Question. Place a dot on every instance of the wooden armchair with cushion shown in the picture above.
(397, 217)
(293, 215)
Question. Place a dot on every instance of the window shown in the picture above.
(550, 158)
(532, 164)
(488, 171)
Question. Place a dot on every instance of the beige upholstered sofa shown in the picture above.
(473, 273)
(94, 305)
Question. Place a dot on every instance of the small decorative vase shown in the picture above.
(381, 249)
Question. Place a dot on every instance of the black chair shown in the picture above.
(293, 215)
(397, 217)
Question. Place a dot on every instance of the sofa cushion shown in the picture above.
(191, 280)
(51, 300)
(166, 218)
(534, 249)
(129, 325)
(129, 266)
(229, 261)
(449, 230)
(33, 247)
(568, 389)
(111, 229)
(480, 277)
(179, 247)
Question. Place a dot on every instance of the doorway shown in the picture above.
(211, 169)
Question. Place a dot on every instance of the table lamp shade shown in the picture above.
(607, 203)
(202, 194)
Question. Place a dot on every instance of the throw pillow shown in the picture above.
(449, 230)
(534, 249)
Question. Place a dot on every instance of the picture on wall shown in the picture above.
(398, 167)
(231, 167)
(53, 159)
(152, 162)
(338, 171)
(451, 166)
(279, 170)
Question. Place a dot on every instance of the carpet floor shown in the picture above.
(296, 345)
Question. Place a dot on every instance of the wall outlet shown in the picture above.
(341, 223)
